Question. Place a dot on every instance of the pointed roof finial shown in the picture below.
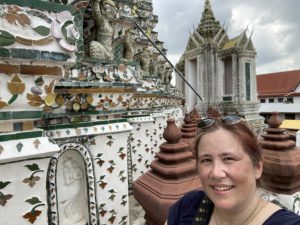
(207, 5)
(208, 13)
(208, 26)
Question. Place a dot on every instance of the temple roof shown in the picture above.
(240, 42)
(231, 43)
(278, 84)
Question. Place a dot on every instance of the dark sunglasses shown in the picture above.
(227, 120)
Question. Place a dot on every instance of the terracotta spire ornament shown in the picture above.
(189, 131)
(172, 175)
(281, 159)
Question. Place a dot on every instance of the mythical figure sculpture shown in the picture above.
(145, 61)
(153, 68)
(104, 12)
(165, 75)
(128, 47)
(168, 76)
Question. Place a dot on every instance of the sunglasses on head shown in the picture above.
(227, 120)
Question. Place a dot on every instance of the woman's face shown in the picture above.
(227, 174)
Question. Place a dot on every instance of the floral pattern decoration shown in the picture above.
(33, 213)
(4, 197)
(32, 179)
(16, 87)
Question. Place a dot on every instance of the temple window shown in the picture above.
(248, 80)
(228, 76)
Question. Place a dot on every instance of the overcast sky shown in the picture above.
(275, 25)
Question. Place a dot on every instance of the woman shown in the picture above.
(229, 165)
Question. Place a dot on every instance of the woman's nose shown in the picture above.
(218, 171)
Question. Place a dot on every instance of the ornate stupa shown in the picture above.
(221, 69)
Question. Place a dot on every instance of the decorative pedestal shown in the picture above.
(172, 175)
(281, 159)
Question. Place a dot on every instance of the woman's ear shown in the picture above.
(259, 169)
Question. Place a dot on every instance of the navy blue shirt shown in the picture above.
(184, 210)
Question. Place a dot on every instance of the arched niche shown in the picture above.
(71, 187)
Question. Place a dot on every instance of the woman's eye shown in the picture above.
(205, 160)
(229, 159)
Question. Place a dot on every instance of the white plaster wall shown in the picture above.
(111, 177)
(16, 207)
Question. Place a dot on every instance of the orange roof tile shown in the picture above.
(278, 84)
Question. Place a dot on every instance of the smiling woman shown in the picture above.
(229, 165)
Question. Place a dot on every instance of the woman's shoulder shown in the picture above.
(283, 217)
(183, 211)
(192, 196)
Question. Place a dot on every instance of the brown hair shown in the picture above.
(243, 133)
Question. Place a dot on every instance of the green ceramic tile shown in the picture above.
(55, 56)
(25, 135)
(27, 114)
(5, 115)
(25, 53)
(21, 135)
(4, 52)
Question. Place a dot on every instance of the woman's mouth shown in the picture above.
(222, 187)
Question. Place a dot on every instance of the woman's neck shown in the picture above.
(241, 217)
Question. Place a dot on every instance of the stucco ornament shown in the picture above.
(104, 13)
(72, 192)
(16, 87)
(65, 31)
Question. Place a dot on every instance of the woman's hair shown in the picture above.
(244, 135)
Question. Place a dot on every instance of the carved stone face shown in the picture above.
(109, 10)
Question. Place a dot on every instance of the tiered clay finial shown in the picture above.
(281, 159)
(195, 115)
(172, 175)
(189, 132)
(213, 112)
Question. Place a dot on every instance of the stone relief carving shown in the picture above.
(56, 179)
(104, 13)
(72, 193)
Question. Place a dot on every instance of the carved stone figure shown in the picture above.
(128, 46)
(168, 76)
(104, 12)
(145, 61)
(165, 75)
(72, 194)
(153, 68)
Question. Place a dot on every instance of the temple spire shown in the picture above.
(208, 26)
(207, 14)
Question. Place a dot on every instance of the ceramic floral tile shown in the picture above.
(110, 157)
